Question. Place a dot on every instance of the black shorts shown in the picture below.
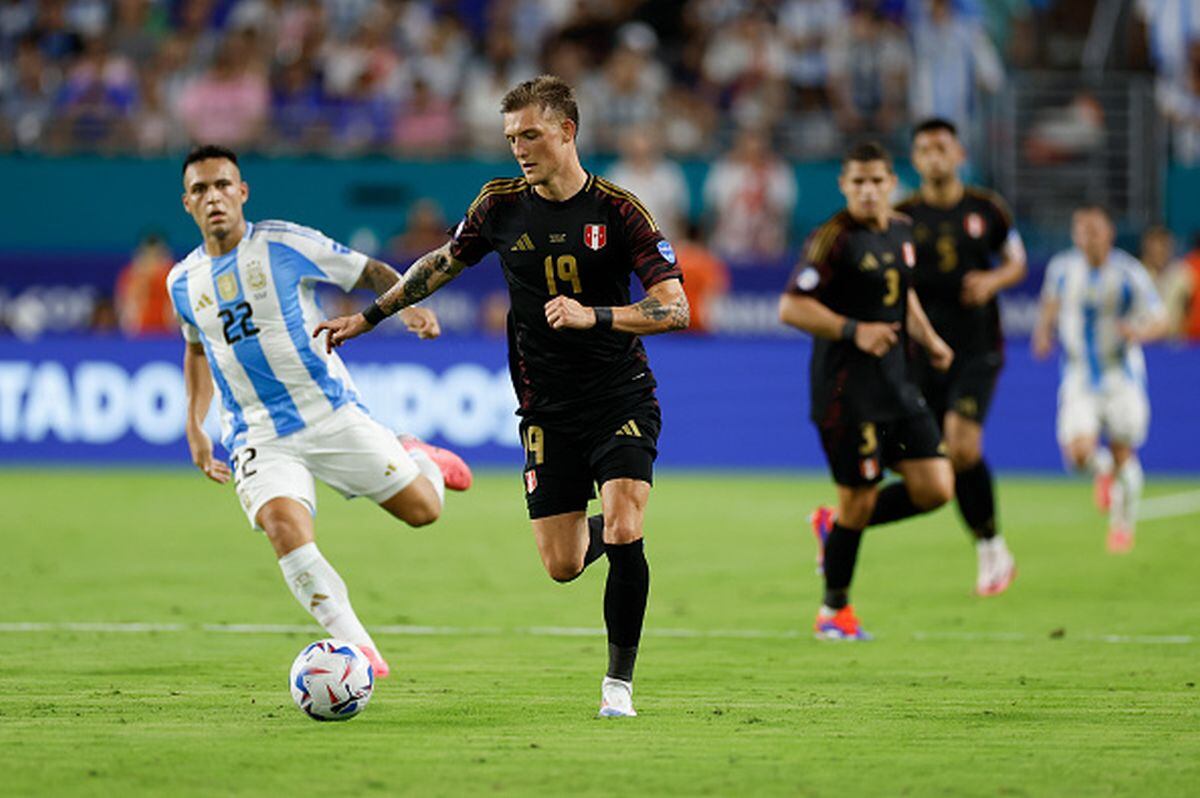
(966, 388)
(566, 458)
(858, 453)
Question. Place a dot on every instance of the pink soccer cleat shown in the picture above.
(378, 663)
(1120, 540)
(454, 469)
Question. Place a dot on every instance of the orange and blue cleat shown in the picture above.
(841, 625)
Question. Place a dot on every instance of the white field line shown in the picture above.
(564, 631)
(1170, 506)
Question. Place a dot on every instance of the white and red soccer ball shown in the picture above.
(331, 680)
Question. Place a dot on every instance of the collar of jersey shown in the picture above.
(569, 201)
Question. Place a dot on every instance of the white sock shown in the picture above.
(431, 472)
(322, 592)
(1126, 494)
(1101, 461)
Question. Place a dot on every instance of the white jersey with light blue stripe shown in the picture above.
(1093, 302)
(253, 310)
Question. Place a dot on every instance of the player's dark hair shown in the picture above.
(934, 124)
(1095, 207)
(865, 152)
(204, 152)
(546, 92)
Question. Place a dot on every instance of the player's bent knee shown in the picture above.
(417, 505)
(620, 532)
(963, 457)
(564, 570)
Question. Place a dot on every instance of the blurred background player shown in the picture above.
(852, 291)
(960, 233)
(568, 242)
(1101, 305)
(291, 412)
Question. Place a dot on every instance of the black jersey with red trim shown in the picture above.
(951, 242)
(863, 274)
(585, 248)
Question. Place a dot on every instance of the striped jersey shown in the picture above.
(1093, 302)
(253, 310)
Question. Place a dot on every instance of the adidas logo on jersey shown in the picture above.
(205, 301)
(317, 600)
(524, 244)
(630, 429)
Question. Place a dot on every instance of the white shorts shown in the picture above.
(1118, 407)
(349, 451)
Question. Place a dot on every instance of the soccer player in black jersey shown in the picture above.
(852, 291)
(568, 242)
(967, 252)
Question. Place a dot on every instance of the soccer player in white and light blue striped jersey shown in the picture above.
(245, 302)
(1101, 305)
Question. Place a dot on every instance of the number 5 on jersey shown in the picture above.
(564, 269)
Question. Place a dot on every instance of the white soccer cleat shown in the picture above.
(616, 699)
(997, 568)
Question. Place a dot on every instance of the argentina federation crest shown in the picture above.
(227, 287)
(256, 278)
(595, 236)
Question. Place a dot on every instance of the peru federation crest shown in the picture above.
(595, 236)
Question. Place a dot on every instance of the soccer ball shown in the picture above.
(331, 680)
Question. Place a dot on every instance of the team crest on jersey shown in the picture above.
(255, 277)
(595, 236)
(227, 286)
(530, 481)
(910, 254)
(869, 468)
(975, 225)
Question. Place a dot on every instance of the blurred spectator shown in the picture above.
(868, 72)
(298, 121)
(135, 32)
(659, 183)
(28, 97)
(487, 81)
(442, 60)
(1172, 278)
(749, 195)
(688, 124)
(425, 230)
(953, 60)
(747, 62)
(1179, 101)
(1066, 132)
(1171, 26)
(54, 36)
(807, 27)
(96, 99)
(705, 277)
(227, 105)
(426, 124)
(627, 93)
(143, 305)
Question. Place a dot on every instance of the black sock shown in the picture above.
(625, 605)
(893, 504)
(977, 500)
(595, 540)
(841, 554)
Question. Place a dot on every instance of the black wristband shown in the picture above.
(603, 318)
(374, 314)
(848, 329)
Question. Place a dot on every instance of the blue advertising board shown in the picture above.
(728, 403)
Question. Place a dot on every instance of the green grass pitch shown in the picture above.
(1022, 694)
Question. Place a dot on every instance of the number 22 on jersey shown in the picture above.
(563, 269)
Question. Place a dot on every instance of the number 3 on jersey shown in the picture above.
(563, 269)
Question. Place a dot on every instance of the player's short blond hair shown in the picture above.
(547, 92)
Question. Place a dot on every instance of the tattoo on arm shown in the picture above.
(429, 273)
(378, 277)
(675, 315)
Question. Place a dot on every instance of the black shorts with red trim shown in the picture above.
(858, 453)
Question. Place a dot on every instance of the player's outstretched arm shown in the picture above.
(379, 277)
(427, 274)
(813, 317)
(197, 381)
(664, 309)
(940, 354)
(1042, 339)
